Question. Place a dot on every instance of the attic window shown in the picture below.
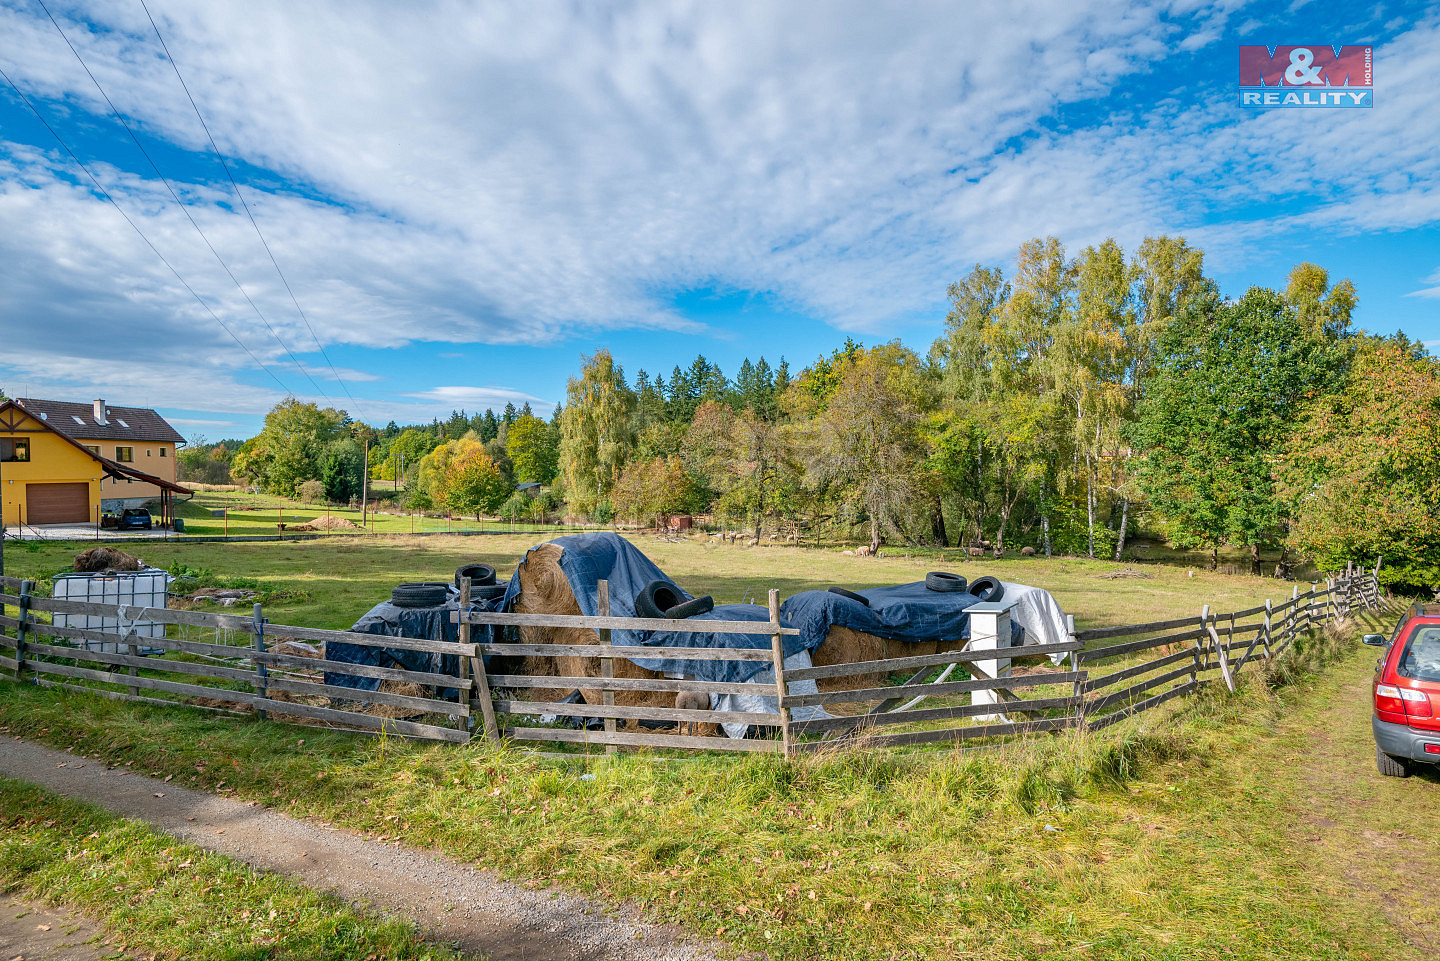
(122, 423)
(77, 420)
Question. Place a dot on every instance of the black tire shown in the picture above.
(703, 604)
(987, 588)
(478, 573)
(850, 594)
(944, 582)
(429, 594)
(1391, 766)
(487, 592)
(656, 598)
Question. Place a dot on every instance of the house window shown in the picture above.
(14, 449)
(149, 453)
(93, 448)
(162, 452)
(125, 455)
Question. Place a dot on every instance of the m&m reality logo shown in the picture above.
(1313, 75)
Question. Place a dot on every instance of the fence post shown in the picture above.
(22, 629)
(1230, 639)
(1222, 656)
(1198, 654)
(1268, 608)
(777, 654)
(462, 663)
(1079, 692)
(607, 664)
(257, 635)
(482, 688)
(1295, 614)
(133, 650)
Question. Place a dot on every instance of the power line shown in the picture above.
(176, 197)
(136, 227)
(263, 242)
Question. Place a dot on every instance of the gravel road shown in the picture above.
(451, 902)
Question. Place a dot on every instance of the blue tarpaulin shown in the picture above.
(388, 620)
(906, 612)
(587, 559)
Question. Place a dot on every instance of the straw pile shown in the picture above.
(545, 590)
(327, 523)
(98, 559)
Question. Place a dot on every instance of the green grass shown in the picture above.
(249, 514)
(1178, 834)
(174, 899)
(331, 582)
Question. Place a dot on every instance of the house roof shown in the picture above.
(122, 423)
(110, 467)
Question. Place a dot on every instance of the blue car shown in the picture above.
(135, 519)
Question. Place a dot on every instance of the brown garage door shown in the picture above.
(57, 503)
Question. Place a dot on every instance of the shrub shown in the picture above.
(311, 492)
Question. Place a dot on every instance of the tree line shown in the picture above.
(1067, 406)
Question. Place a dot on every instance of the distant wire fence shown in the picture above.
(975, 693)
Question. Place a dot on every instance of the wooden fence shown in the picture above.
(242, 665)
(232, 662)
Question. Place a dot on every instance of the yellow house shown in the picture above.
(50, 477)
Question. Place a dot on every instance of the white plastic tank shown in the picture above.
(144, 588)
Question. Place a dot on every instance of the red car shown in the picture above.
(1407, 693)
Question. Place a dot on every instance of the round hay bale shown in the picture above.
(545, 590)
(844, 645)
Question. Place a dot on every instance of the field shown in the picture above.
(1190, 832)
(331, 582)
(246, 514)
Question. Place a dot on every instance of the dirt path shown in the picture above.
(451, 902)
(33, 932)
(1377, 837)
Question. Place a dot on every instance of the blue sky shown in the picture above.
(464, 198)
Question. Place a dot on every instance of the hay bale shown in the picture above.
(545, 590)
(99, 559)
(844, 645)
(394, 711)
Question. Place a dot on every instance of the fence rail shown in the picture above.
(230, 662)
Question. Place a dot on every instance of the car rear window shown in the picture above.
(1421, 657)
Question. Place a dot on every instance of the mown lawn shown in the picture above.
(247, 514)
(1177, 835)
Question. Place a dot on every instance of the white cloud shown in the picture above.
(1434, 291)
(481, 398)
(508, 175)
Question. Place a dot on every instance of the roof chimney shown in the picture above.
(100, 412)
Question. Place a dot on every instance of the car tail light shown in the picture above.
(1387, 699)
(1432, 749)
(1416, 703)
